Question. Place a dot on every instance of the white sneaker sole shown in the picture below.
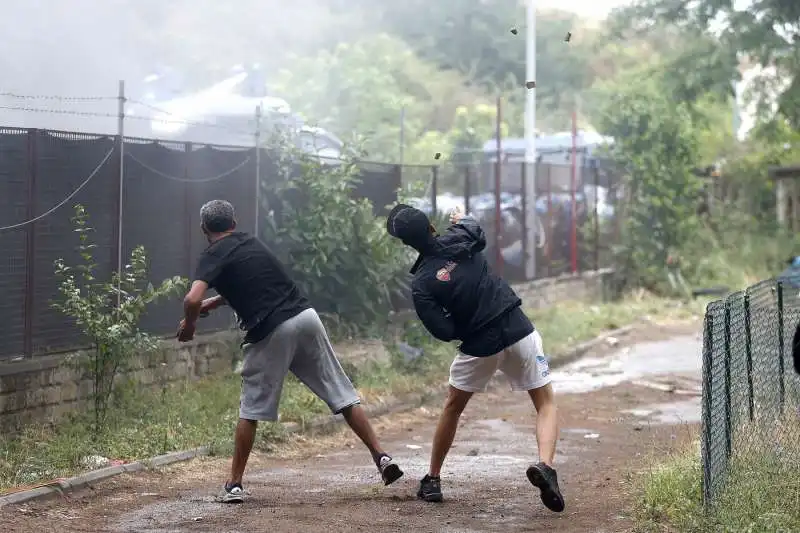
(232, 498)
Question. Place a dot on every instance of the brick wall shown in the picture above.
(592, 286)
(46, 388)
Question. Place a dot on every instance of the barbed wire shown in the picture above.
(57, 111)
(96, 114)
(65, 200)
(187, 180)
(19, 96)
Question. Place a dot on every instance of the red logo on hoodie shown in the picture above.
(443, 274)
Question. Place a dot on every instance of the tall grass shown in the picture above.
(760, 495)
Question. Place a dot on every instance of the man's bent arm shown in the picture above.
(193, 301)
(438, 322)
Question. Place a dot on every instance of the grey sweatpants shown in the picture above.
(299, 345)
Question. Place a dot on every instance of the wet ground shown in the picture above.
(614, 409)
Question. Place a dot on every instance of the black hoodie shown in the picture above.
(456, 296)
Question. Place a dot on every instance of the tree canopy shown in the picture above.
(765, 33)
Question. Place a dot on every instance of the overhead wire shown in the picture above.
(65, 200)
(187, 180)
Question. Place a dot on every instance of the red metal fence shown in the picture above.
(573, 216)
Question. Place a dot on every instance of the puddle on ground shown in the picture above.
(678, 356)
(577, 431)
(683, 412)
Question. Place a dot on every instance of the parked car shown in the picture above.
(221, 115)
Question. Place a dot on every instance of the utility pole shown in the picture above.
(530, 139)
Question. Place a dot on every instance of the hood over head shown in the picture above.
(413, 227)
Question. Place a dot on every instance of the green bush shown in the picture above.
(337, 250)
(108, 312)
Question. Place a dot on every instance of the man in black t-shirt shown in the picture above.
(457, 297)
(284, 334)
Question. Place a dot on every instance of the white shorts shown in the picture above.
(524, 364)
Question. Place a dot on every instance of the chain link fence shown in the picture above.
(751, 396)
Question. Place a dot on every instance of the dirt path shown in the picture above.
(327, 484)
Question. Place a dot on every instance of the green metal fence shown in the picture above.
(750, 391)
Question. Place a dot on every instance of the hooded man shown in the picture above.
(457, 297)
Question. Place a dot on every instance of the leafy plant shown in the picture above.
(108, 311)
(655, 141)
(338, 251)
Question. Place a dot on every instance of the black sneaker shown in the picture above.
(545, 479)
(390, 472)
(430, 489)
(234, 493)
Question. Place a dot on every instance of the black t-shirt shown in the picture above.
(253, 282)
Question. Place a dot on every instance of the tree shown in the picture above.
(655, 142)
(363, 87)
(473, 37)
(763, 33)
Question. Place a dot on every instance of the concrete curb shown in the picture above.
(321, 424)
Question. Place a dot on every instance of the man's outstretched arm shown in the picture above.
(467, 228)
(435, 319)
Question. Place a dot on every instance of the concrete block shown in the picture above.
(93, 477)
(12, 401)
(27, 495)
(174, 457)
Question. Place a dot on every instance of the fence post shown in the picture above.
(748, 347)
(708, 362)
(781, 369)
(467, 187)
(550, 234)
(498, 173)
(30, 244)
(728, 425)
(573, 228)
(397, 175)
(434, 188)
(525, 215)
(187, 208)
(596, 228)
(120, 185)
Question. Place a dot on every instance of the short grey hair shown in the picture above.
(217, 216)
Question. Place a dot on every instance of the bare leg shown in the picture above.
(357, 419)
(446, 429)
(542, 475)
(546, 422)
(243, 445)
